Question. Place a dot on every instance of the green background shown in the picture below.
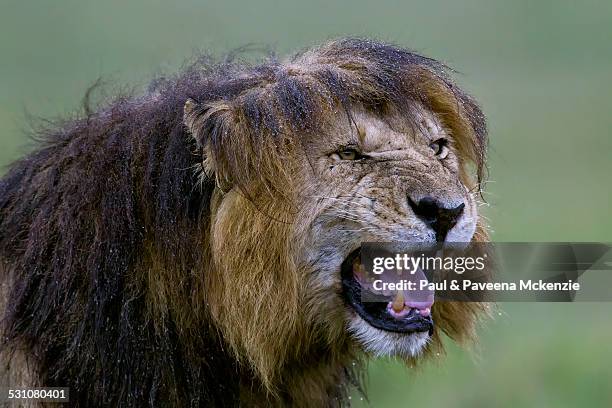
(542, 71)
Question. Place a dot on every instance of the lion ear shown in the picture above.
(212, 126)
(207, 121)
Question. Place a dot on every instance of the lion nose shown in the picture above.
(434, 214)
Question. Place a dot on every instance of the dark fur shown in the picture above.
(77, 215)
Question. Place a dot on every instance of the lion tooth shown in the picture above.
(398, 302)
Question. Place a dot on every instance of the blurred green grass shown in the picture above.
(542, 71)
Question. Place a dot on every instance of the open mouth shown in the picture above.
(393, 313)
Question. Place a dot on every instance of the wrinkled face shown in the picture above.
(379, 181)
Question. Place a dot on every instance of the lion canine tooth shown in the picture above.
(398, 301)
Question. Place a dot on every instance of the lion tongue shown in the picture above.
(420, 299)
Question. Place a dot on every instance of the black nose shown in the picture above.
(439, 218)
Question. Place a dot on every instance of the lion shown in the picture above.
(192, 246)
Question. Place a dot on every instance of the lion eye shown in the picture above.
(440, 148)
(349, 154)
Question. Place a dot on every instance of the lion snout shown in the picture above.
(438, 216)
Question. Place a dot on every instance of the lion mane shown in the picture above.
(131, 275)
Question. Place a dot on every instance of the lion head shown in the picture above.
(352, 142)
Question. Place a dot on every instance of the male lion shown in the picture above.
(185, 247)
